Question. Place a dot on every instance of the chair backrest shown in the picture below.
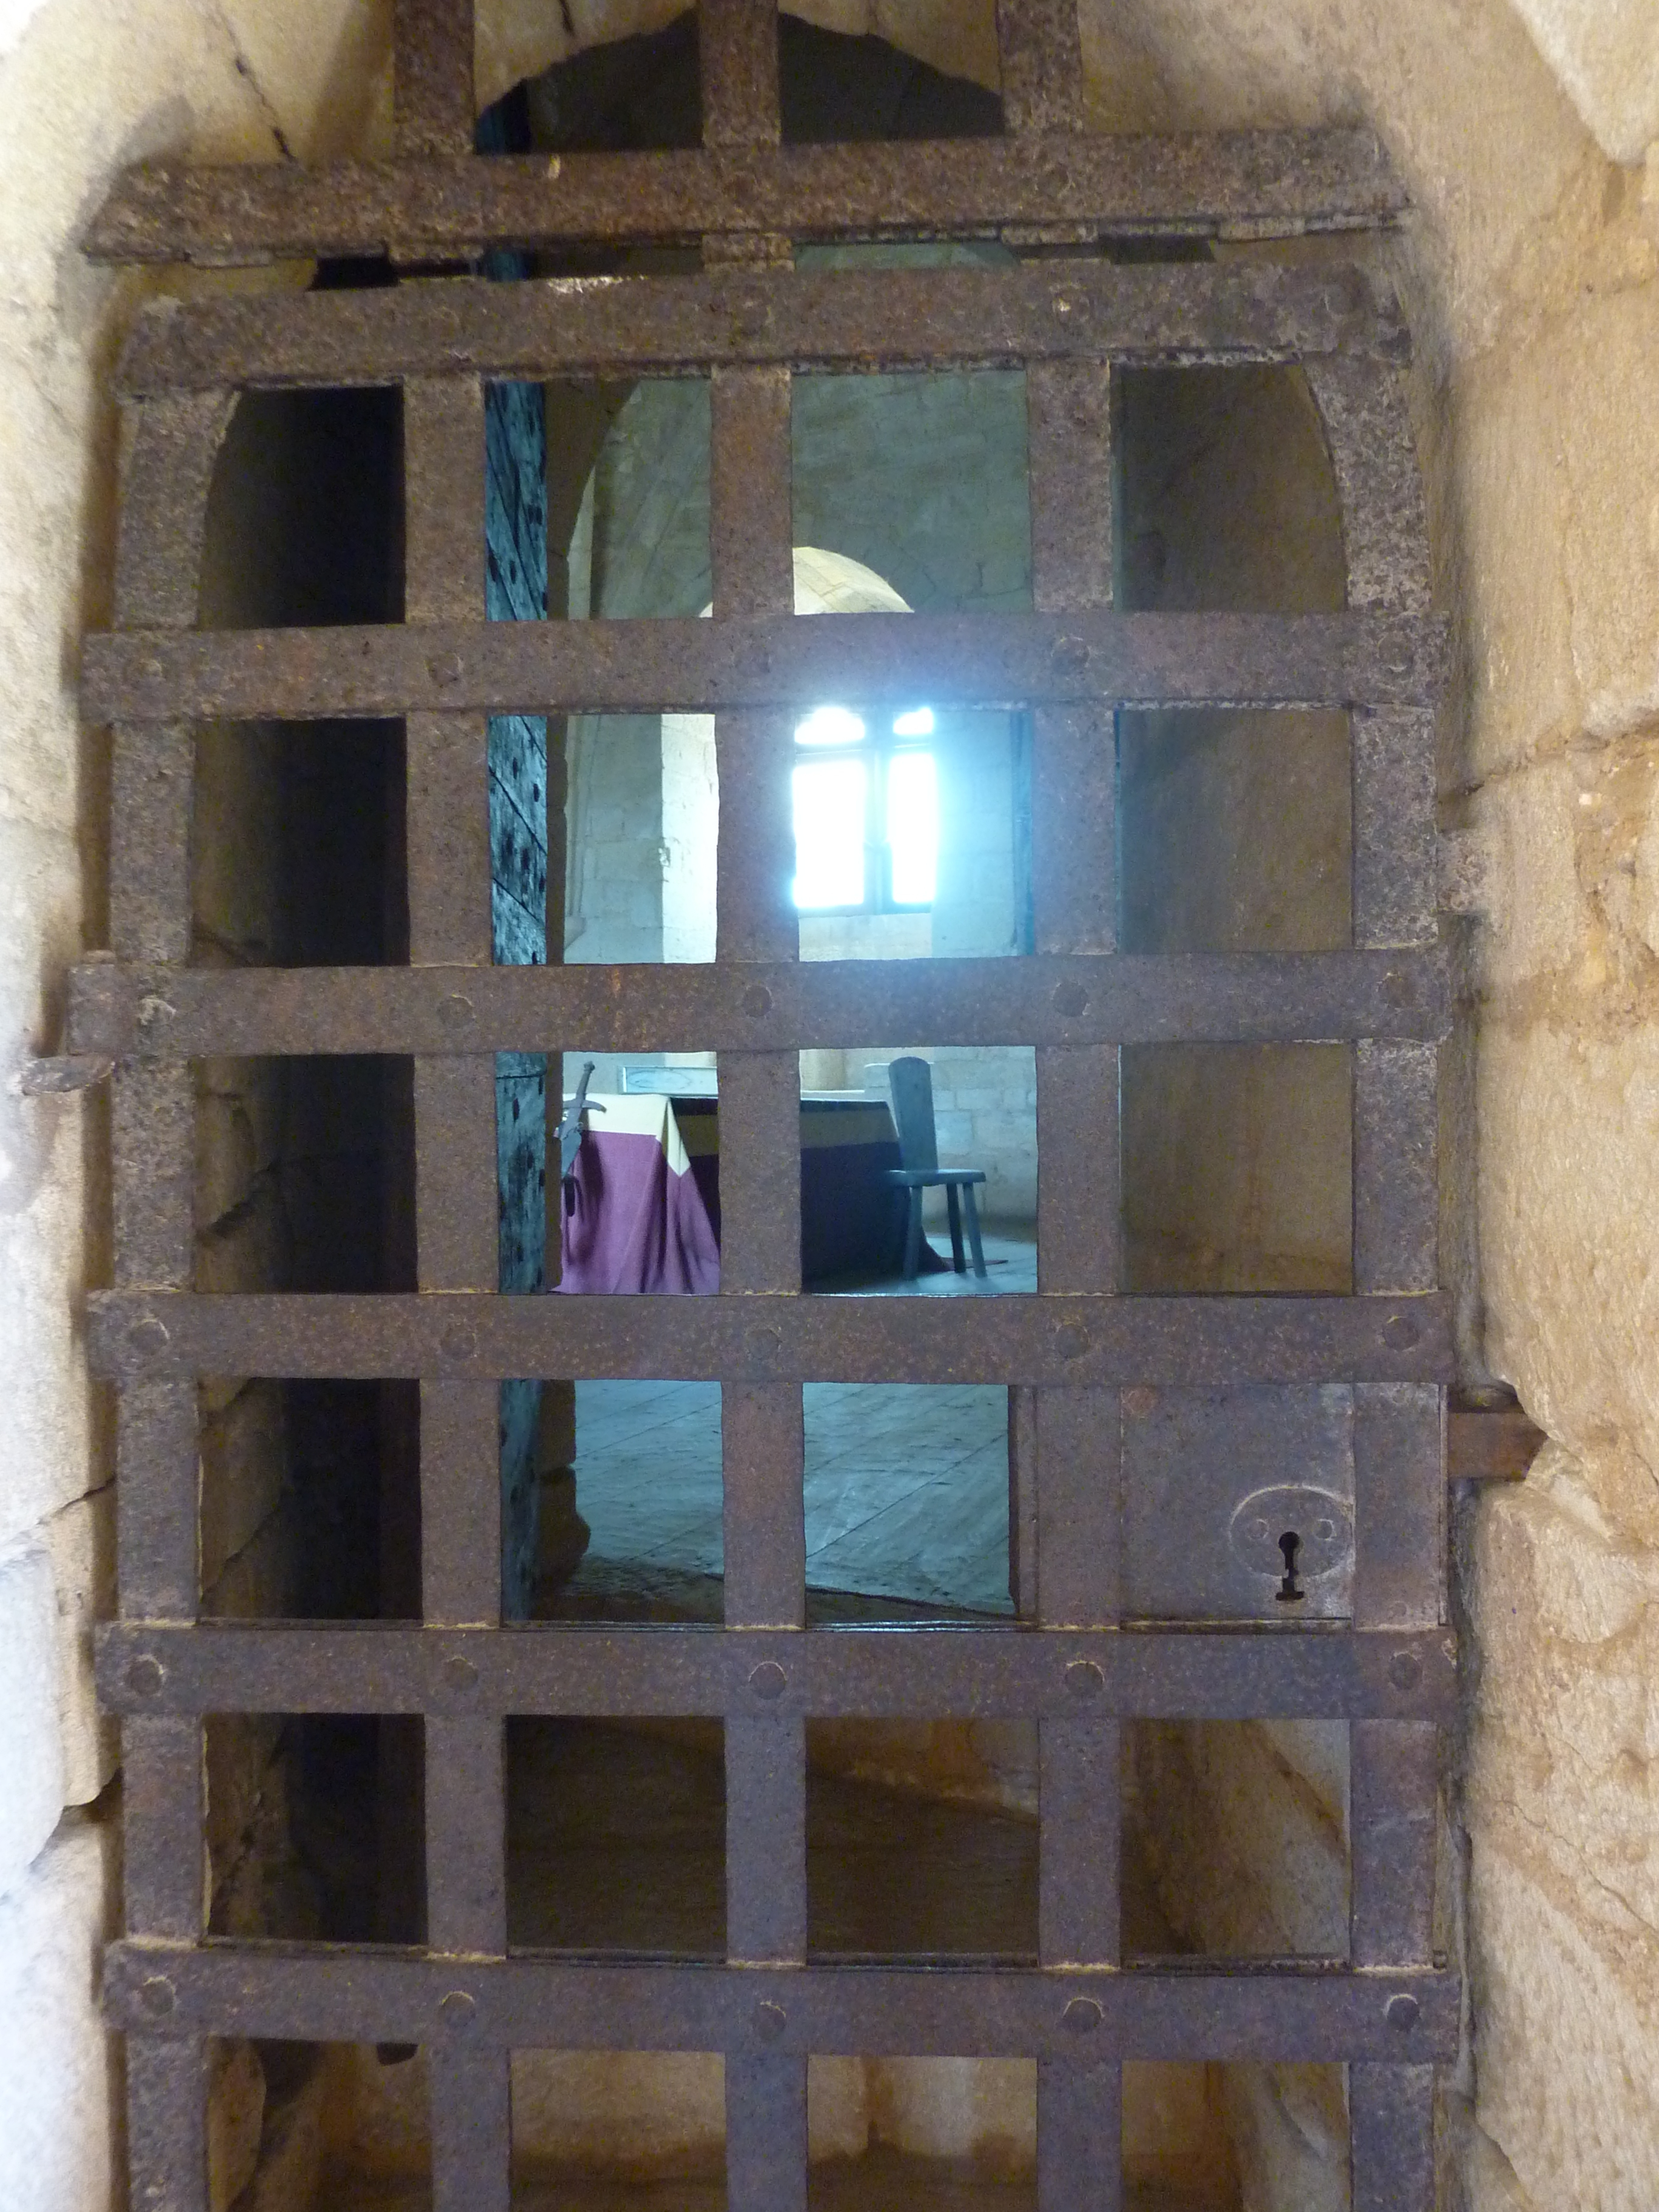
(911, 1083)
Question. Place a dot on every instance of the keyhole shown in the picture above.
(1290, 1544)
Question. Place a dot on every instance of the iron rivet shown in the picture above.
(145, 1674)
(1070, 655)
(763, 1344)
(1063, 305)
(455, 1011)
(1400, 1332)
(1397, 988)
(460, 1674)
(756, 1001)
(157, 1995)
(768, 1680)
(1401, 2011)
(1085, 1678)
(1405, 1670)
(1070, 999)
(770, 2021)
(1072, 1341)
(1081, 2017)
(459, 1342)
(1324, 1530)
(457, 2009)
(150, 1334)
(445, 668)
(1140, 1402)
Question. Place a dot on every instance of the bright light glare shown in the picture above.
(918, 723)
(829, 726)
(829, 804)
(913, 826)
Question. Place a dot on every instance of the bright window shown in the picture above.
(867, 812)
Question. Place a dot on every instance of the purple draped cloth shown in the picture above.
(632, 1218)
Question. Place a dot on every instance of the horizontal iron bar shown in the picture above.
(341, 1995)
(652, 663)
(848, 318)
(1054, 1338)
(1258, 183)
(1491, 1440)
(1160, 1673)
(145, 1013)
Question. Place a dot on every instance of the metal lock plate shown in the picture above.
(1213, 1480)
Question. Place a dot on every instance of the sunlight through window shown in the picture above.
(865, 811)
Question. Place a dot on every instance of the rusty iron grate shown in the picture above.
(748, 322)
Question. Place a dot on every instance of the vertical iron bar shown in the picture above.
(1042, 65)
(1396, 1195)
(164, 1809)
(1385, 535)
(765, 1837)
(166, 2124)
(737, 54)
(1395, 855)
(457, 1244)
(1079, 2135)
(765, 2132)
(472, 2127)
(1078, 1510)
(1399, 1446)
(1393, 1788)
(433, 98)
(762, 1455)
(751, 547)
(1079, 1209)
(168, 475)
(1391, 2116)
(1400, 1505)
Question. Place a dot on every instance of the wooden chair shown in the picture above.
(910, 1081)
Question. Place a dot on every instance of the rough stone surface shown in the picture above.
(81, 1540)
(1561, 1803)
(33, 1796)
(1606, 54)
(56, 2121)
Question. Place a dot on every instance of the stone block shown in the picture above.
(1568, 1192)
(1249, 1856)
(33, 1796)
(239, 1132)
(1567, 2034)
(258, 1583)
(82, 1542)
(1601, 364)
(1559, 1803)
(243, 1468)
(56, 2086)
(236, 2107)
(292, 2148)
(978, 2110)
(44, 1202)
(249, 1251)
(1607, 61)
(323, 71)
(1289, 2128)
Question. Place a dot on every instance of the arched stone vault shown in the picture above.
(1532, 263)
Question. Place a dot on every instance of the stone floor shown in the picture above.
(906, 1489)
